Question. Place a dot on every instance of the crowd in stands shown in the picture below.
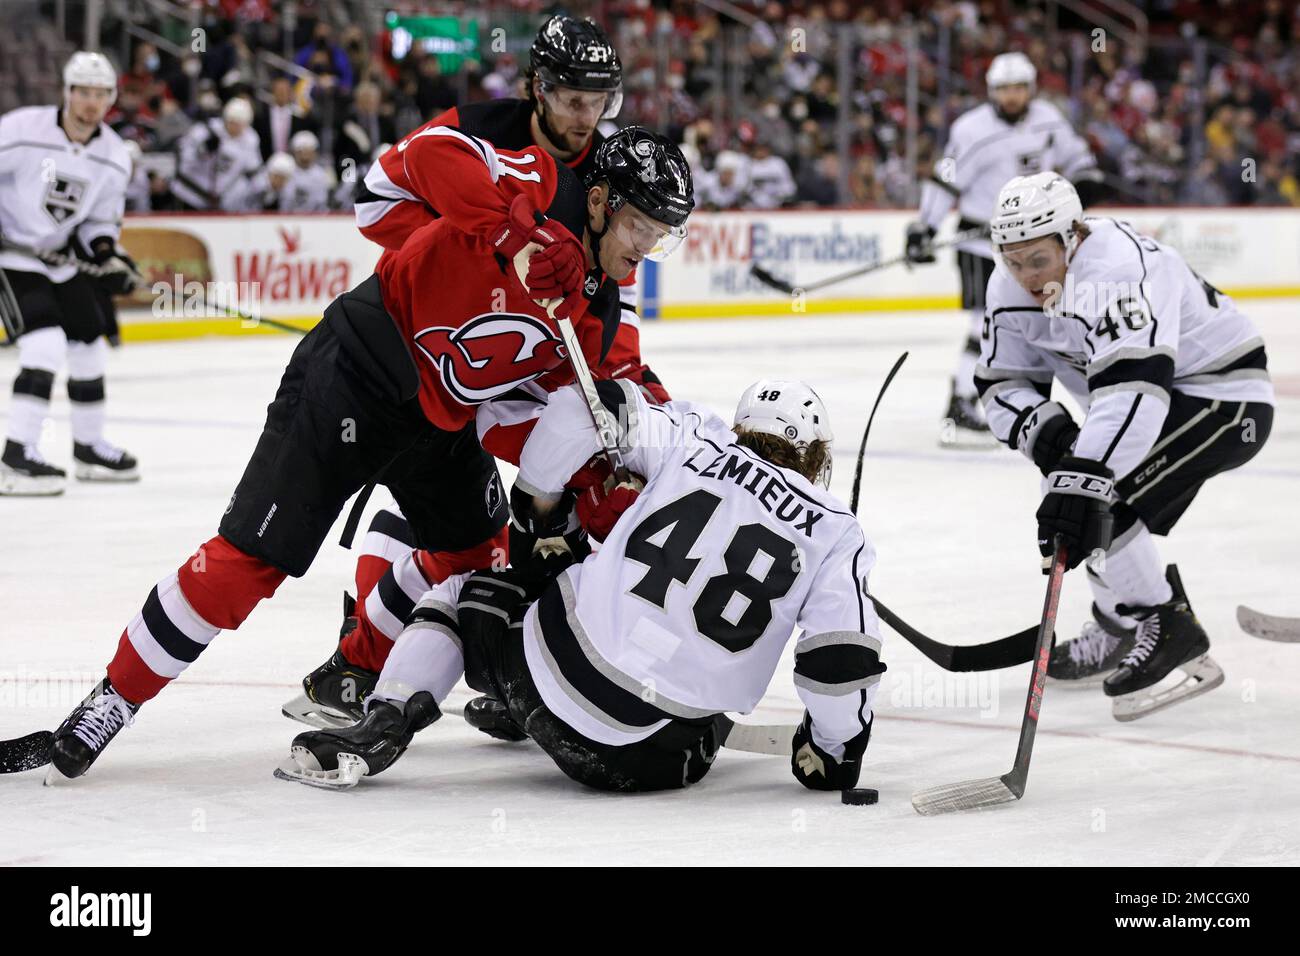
(1169, 125)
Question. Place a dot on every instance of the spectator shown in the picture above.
(277, 123)
(326, 58)
(361, 132)
(819, 184)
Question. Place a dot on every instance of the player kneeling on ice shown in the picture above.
(386, 388)
(620, 667)
(1176, 387)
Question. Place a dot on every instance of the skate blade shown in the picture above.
(1201, 675)
(306, 711)
(15, 485)
(297, 769)
(86, 472)
(55, 779)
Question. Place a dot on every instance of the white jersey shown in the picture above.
(984, 151)
(685, 609)
(208, 178)
(308, 190)
(1133, 324)
(770, 183)
(52, 188)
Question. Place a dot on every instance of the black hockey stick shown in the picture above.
(789, 288)
(26, 753)
(98, 271)
(991, 791)
(862, 448)
(11, 317)
(995, 655)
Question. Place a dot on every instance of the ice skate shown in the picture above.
(82, 737)
(1169, 638)
(963, 424)
(1086, 660)
(337, 759)
(492, 717)
(102, 461)
(24, 471)
(334, 694)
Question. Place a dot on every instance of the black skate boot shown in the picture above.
(1086, 660)
(963, 425)
(23, 471)
(493, 718)
(334, 694)
(1168, 637)
(337, 759)
(83, 736)
(104, 462)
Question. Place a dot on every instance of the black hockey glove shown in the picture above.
(1077, 506)
(544, 543)
(121, 275)
(920, 243)
(818, 770)
(1045, 435)
(212, 143)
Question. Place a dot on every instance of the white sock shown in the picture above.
(44, 350)
(965, 385)
(86, 363)
(425, 657)
(1133, 574)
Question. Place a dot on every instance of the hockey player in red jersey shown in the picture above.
(386, 387)
(574, 81)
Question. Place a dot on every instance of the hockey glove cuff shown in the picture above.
(1078, 507)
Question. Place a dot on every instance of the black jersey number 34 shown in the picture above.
(717, 607)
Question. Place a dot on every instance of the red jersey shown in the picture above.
(472, 328)
(391, 207)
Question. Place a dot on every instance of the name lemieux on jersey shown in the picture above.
(51, 187)
(690, 602)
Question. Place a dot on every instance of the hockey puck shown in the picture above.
(859, 796)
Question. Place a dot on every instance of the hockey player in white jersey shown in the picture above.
(620, 670)
(215, 159)
(1013, 134)
(63, 178)
(310, 184)
(1175, 383)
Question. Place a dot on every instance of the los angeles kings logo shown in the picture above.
(490, 354)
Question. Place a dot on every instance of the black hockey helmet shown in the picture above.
(577, 54)
(648, 171)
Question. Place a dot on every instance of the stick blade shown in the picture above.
(765, 277)
(25, 753)
(1285, 630)
(966, 795)
(774, 739)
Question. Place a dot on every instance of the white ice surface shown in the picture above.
(1215, 780)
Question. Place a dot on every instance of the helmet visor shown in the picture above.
(652, 239)
(575, 104)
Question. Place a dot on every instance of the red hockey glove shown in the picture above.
(599, 509)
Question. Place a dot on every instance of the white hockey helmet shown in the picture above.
(1030, 207)
(304, 139)
(1008, 69)
(86, 68)
(237, 110)
(280, 164)
(788, 410)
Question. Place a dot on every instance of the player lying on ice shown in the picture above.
(574, 80)
(1176, 387)
(619, 667)
(387, 386)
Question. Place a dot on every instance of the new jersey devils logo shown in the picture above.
(490, 354)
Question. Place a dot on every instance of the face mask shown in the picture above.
(771, 111)
(192, 68)
(151, 63)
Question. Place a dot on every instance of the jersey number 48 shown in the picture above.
(717, 607)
